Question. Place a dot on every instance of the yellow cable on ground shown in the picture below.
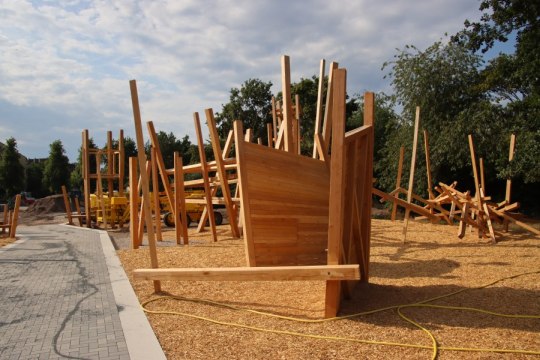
(435, 347)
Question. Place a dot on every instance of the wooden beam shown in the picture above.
(287, 108)
(428, 166)
(412, 207)
(86, 176)
(214, 139)
(15, 218)
(144, 177)
(270, 273)
(398, 180)
(155, 193)
(319, 111)
(508, 193)
(327, 122)
(411, 173)
(207, 191)
(133, 203)
(336, 207)
(180, 215)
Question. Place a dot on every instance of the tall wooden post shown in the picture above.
(144, 179)
(411, 174)
(398, 180)
(133, 203)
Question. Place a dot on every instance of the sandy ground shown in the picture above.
(433, 262)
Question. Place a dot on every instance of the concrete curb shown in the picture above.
(140, 338)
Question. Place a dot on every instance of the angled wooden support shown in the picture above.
(145, 184)
(155, 193)
(180, 215)
(327, 122)
(214, 139)
(207, 191)
(273, 273)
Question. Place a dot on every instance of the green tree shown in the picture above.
(443, 80)
(76, 176)
(168, 144)
(251, 103)
(512, 82)
(11, 170)
(34, 179)
(56, 172)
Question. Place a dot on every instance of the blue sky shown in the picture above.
(65, 66)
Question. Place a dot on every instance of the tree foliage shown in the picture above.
(251, 103)
(11, 170)
(34, 179)
(56, 172)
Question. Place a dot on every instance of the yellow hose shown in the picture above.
(434, 347)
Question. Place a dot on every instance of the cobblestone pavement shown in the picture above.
(56, 298)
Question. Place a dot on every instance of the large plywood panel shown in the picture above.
(288, 206)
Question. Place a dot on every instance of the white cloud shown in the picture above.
(69, 63)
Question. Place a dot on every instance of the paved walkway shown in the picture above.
(64, 295)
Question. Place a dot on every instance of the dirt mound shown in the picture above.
(46, 205)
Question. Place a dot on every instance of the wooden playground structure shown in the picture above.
(10, 218)
(302, 217)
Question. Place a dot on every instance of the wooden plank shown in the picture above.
(297, 125)
(145, 186)
(517, 222)
(280, 273)
(86, 176)
(180, 217)
(15, 218)
(287, 107)
(365, 226)
(327, 122)
(398, 180)
(508, 193)
(274, 121)
(226, 151)
(214, 139)
(155, 193)
(428, 165)
(133, 203)
(319, 110)
(411, 173)
(337, 189)
(243, 184)
(207, 191)
(67, 205)
(488, 219)
(482, 177)
(121, 163)
(161, 165)
(412, 207)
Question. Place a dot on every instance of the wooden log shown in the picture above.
(411, 173)
(269, 273)
(145, 186)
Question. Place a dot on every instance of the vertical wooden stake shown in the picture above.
(318, 114)
(204, 170)
(411, 174)
(144, 177)
(180, 219)
(482, 178)
(428, 168)
(398, 180)
(287, 108)
(86, 176)
(15, 219)
(155, 192)
(133, 203)
(509, 181)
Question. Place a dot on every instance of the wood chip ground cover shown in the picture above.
(432, 263)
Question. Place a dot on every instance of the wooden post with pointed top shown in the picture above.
(411, 173)
(144, 179)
